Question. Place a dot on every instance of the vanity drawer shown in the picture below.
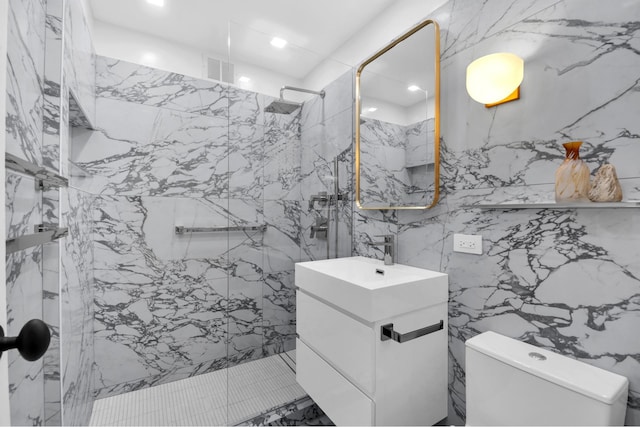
(338, 398)
(348, 344)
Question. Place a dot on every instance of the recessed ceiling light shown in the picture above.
(372, 109)
(149, 58)
(278, 42)
(413, 88)
(244, 79)
(159, 3)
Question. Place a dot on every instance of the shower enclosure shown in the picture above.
(187, 207)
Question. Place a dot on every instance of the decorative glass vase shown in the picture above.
(572, 177)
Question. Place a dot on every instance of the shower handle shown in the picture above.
(32, 341)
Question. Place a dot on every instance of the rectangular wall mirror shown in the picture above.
(398, 123)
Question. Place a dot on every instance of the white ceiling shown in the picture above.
(314, 28)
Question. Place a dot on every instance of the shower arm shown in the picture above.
(299, 89)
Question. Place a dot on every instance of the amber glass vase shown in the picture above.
(572, 177)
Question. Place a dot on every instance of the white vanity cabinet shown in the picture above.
(343, 363)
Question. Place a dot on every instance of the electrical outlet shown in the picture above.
(467, 243)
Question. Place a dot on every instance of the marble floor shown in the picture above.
(224, 397)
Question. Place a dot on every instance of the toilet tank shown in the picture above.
(509, 382)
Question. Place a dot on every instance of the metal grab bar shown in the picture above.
(45, 179)
(182, 230)
(387, 332)
(43, 235)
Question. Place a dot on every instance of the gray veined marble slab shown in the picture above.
(25, 76)
(142, 150)
(563, 279)
(139, 84)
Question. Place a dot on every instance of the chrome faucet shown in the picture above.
(388, 248)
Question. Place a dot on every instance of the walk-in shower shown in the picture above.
(282, 106)
(171, 299)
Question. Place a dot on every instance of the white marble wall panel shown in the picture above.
(79, 57)
(37, 123)
(245, 309)
(282, 156)
(320, 245)
(52, 83)
(327, 136)
(51, 202)
(121, 80)
(239, 252)
(140, 150)
(242, 167)
(321, 144)
(76, 302)
(75, 107)
(566, 280)
(563, 280)
(162, 316)
(24, 120)
(315, 248)
(25, 74)
(246, 248)
(24, 298)
(339, 97)
(420, 237)
(279, 312)
(246, 107)
(283, 235)
(368, 227)
(246, 161)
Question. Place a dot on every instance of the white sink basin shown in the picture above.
(369, 289)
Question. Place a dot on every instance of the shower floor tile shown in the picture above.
(254, 388)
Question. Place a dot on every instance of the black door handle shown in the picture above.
(387, 332)
(32, 341)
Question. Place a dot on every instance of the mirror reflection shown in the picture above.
(397, 123)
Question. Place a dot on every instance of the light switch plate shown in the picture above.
(467, 243)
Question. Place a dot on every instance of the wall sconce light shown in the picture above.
(495, 79)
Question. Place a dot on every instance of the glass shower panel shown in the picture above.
(279, 157)
(156, 165)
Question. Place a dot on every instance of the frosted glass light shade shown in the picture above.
(492, 78)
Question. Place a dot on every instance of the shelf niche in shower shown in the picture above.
(80, 129)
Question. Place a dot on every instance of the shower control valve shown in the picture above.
(320, 229)
(322, 198)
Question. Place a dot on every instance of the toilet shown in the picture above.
(513, 383)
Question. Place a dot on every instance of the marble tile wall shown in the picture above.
(51, 204)
(77, 99)
(24, 208)
(76, 305)
(155, 162)
(565, 280)
(49, 282)
(173, 150)
(327, 135)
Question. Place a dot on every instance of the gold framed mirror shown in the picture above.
(397, 122)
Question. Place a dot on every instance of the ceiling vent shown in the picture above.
(219, 70)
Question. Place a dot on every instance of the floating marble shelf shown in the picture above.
(586, 205)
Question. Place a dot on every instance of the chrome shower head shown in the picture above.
(282, 106)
